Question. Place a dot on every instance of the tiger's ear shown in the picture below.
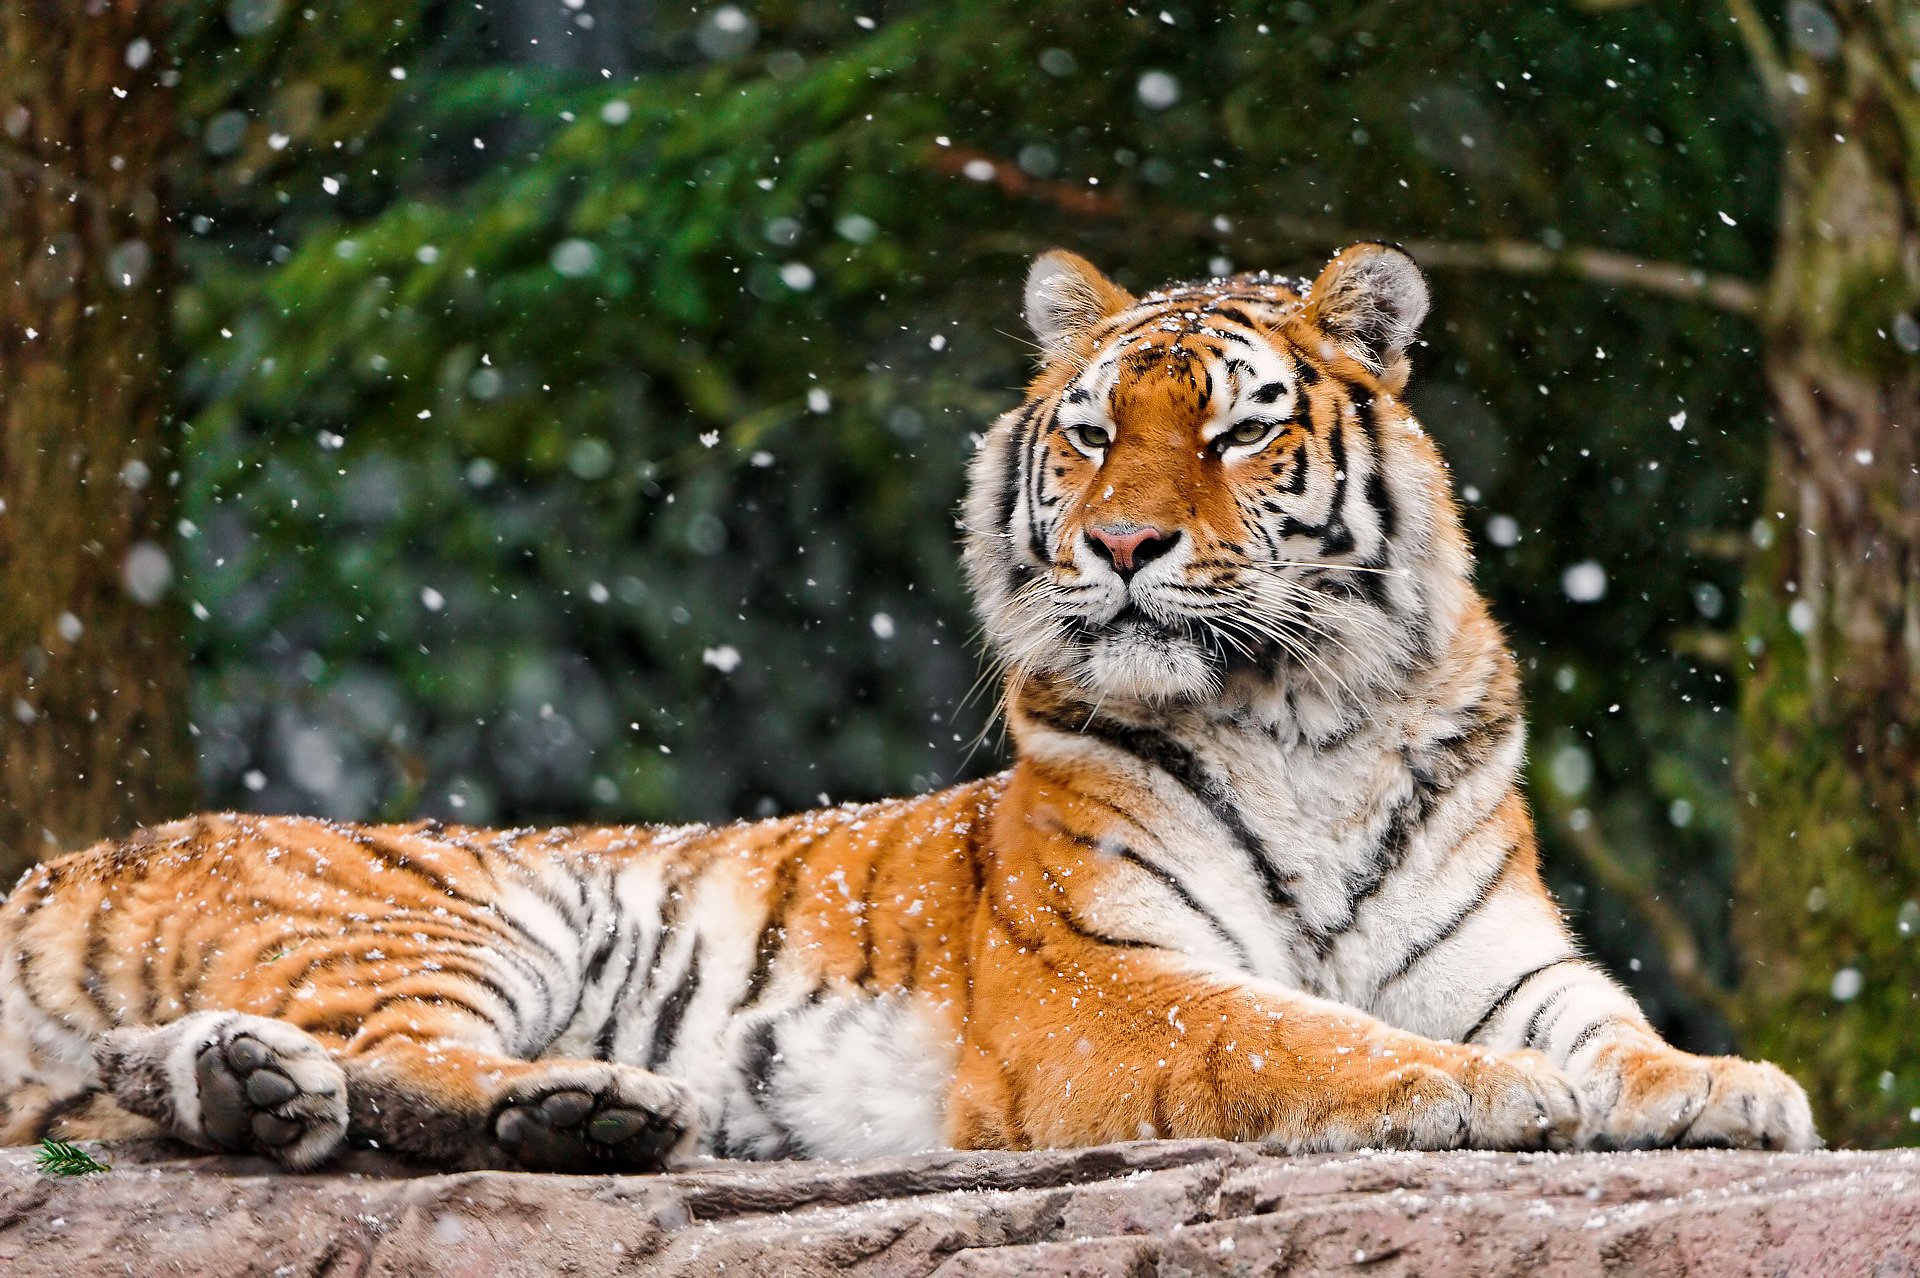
(1370, 300)
(1066, 295)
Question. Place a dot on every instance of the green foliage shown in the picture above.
(60, 1158)
(608, 469)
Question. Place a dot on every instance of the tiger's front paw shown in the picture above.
(1521, 1101)
(1653, 1097)
(1478, 1100)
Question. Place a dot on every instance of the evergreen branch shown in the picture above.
(59, 1158)
(1768, 65)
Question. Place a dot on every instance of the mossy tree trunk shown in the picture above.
(1828, 915)
(93, 674)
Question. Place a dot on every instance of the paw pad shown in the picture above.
(577, 1131)
(244, 1096)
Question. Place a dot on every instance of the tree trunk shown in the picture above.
(1828, 914)
(93, 674)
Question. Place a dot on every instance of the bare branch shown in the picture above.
(1727, 293)
(1670, 929)
(1768, 65)
(1009, 180)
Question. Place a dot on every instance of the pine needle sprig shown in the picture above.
(58, 1158)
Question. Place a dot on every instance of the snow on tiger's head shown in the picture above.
(1216, 482)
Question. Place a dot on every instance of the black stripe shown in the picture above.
(865, 915)
(1086, 932)
(1337, 539)
(1593, 1031)
(1535, 1023)
(1013, 927)
(330, 958)
(1188, 899)
(597, 962)
(477, 913)
(756, 1076)
(1269, 393)
(1448, 760)
(340, 1018)
(669, 914)
(290, 984)
(1010, 480)
(92, 980)
(773, 931)
(1311, 414)
(1481, 896)
(476, 974)
(488, 912)
(1376, 487)
(67, 1104)
(524, 965)
(673, 1009)
(1292, 470)
(756, 1063)
(386, 856)
(1388, 855)
(1506, 996)
(1162, 752)
(1167, 879)
(1035, 475)
(603, 1037)
(530, 877)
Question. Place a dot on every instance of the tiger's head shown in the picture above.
(1214, 486)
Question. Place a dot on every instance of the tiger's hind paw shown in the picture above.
(227, 1081)
(594, 1118)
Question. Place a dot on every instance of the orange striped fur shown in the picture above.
(1262, 869)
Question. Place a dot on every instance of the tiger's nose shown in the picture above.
(1129, 547)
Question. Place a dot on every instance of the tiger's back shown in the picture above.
(805, 976)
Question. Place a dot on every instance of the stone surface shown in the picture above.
(1173, 1208)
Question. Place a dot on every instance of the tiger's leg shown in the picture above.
(1496, 966)
(232, 1082)
(447, 1102)
(1130, 1043)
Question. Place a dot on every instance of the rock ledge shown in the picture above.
(1150, 1207)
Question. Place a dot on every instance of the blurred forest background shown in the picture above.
(555, 410)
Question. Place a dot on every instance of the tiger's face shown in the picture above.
(1212, 481)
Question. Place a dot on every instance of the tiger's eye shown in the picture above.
(1092, 435)
(1249, 432)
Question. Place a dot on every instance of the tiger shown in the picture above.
(1262, 868)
